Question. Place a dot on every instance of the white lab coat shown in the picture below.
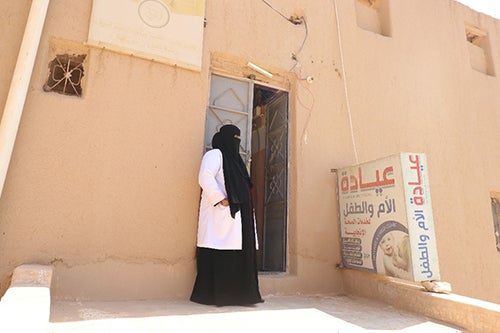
(216, 228)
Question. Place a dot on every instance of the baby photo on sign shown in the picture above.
(391, 251)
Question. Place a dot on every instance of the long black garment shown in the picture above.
(229, 277)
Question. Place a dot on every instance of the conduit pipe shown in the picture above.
(346, 93)
(19, 85)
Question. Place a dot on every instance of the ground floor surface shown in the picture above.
(338, 314)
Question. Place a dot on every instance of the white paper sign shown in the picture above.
(168, 31)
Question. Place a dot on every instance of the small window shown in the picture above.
(495, 207)
(373, 15)
(479, 49)
(65, 75)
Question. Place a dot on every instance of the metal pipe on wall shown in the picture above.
(19, 84)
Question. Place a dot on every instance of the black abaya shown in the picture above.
(229, 277)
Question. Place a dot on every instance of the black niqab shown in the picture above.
(216, 141)
(235, 173)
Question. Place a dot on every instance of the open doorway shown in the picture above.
(261, 113)
(269, 170)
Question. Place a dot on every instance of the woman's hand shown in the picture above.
(224, 202)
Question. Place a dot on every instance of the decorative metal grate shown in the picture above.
(66, 74)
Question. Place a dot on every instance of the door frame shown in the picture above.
(250, 109)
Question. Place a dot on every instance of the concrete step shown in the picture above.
(374, 304)
(470, 313)
(25, 307)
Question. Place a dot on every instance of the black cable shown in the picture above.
(305, 37)
(295, 21)
(286, 18)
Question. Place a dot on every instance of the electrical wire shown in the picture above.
(348, 104)
(294, 55)
(277, 11)
(303, 137)
(294, 21)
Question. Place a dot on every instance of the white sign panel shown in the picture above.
(386, 218)
(168, 31)
(419, 217)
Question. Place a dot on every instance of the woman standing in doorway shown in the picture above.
(226, 245)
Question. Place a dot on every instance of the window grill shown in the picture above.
(65, 75)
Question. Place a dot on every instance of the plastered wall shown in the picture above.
(104, 186)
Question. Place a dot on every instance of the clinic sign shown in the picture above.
(386, 218)
(161, 30)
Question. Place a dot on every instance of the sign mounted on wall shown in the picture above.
(167, 31)
(386, 218)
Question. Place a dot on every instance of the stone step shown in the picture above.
(25, 307)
